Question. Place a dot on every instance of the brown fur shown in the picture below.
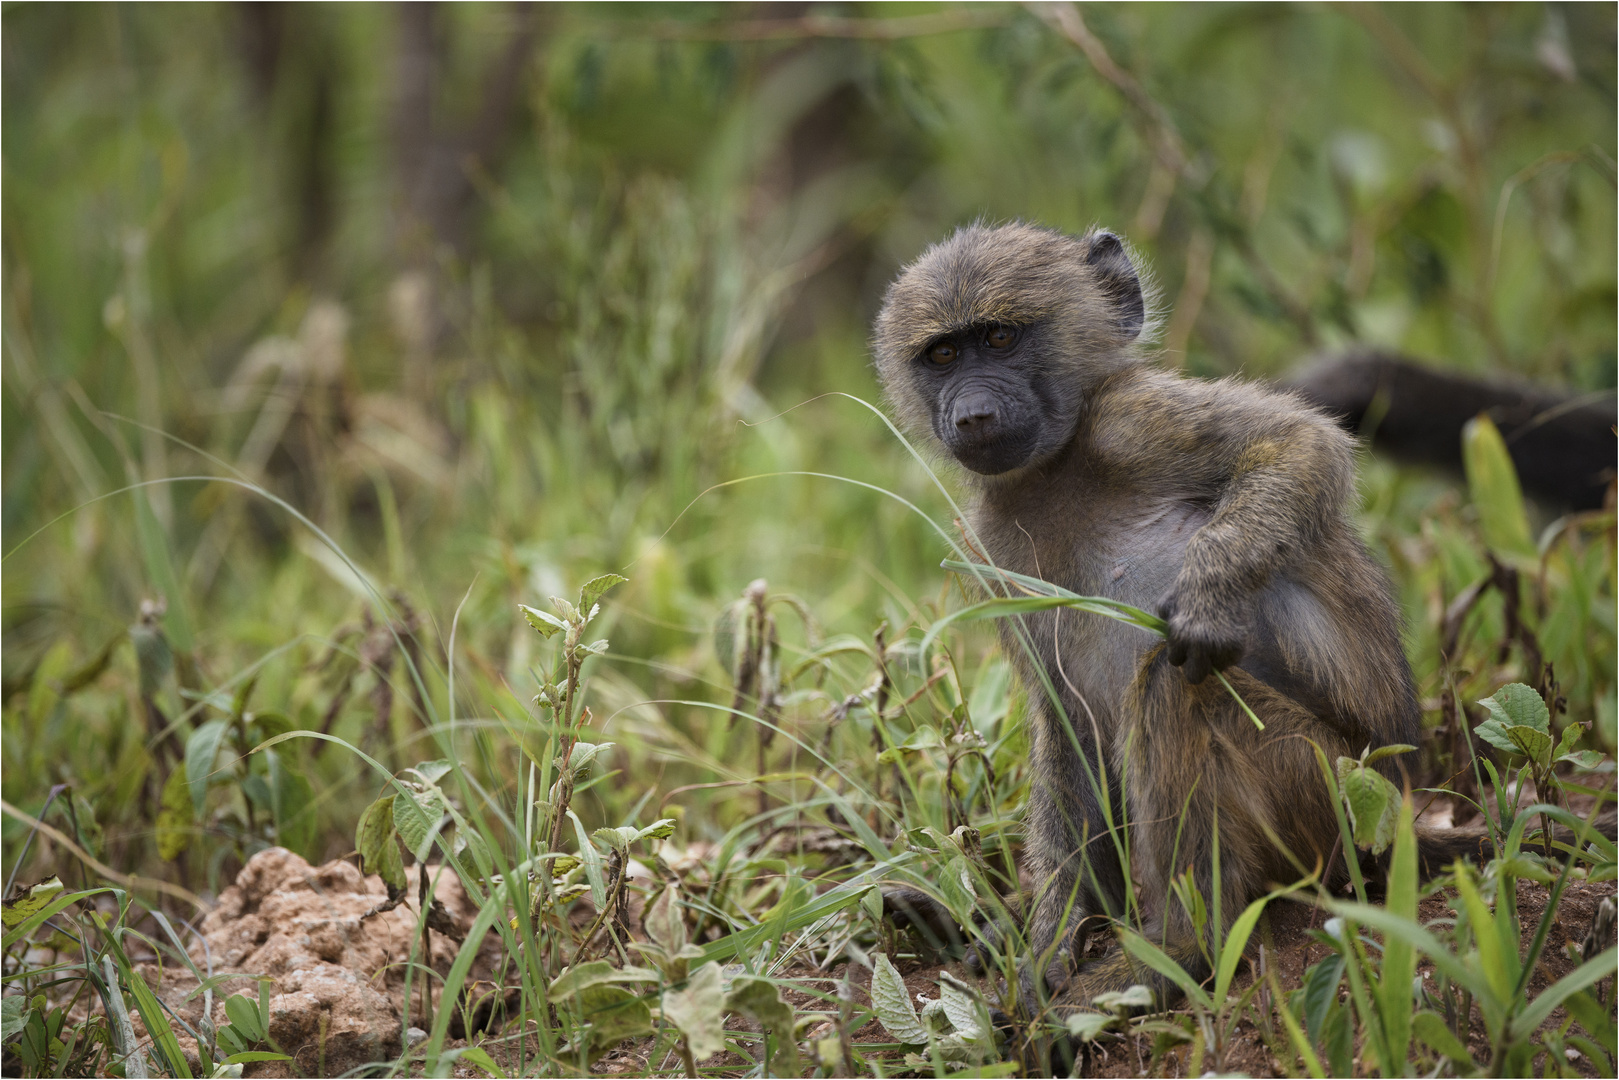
(1223, 505)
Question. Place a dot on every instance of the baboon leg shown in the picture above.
(1075, 855)
(1201, 776)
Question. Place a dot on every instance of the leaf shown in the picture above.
(1388, 751)
(292, 803)
(247, 1056)
(598, 587)
(584, 753)
(892, 1003)
(201, 751)
(30, 901)
(1492, 485)
(964, 1008)
(661, 829)
(1159, 961)
(1430, 1028)
(418, 823)
(1531, 743)
(665, 922)
(760, 999)
(614, 1014)
(871, 902)
(727, 637)
(1373, 804)
(243, 1012)
(619, 839)
(1086, 1026)
(548, 625)
(574, 981)
(1321, 984)
(11, 1016)
(374, 837)
(479, 1058)
(431, 772)
(698, 1011)
(1513, 704)
(593, 864)
(157, 1023)
(174, 816)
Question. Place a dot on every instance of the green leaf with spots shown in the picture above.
(698, 1011)
(374, 837)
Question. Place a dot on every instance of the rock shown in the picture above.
(337, 975)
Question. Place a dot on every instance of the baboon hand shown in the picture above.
(1200, 643)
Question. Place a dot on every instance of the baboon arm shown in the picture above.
(1274, 474)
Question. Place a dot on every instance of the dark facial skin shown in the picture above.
(988, 406)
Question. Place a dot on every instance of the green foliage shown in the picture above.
(398, 434)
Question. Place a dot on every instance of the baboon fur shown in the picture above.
(1223, 506)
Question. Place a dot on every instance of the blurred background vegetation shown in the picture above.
(495, 295)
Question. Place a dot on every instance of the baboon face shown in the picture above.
(991, 340)
(991, 400)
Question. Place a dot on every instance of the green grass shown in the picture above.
(266, 538)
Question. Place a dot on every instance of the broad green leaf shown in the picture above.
(431, 772)
(760, 999)
(1531, 743)
(966, 1010)
(614, 1014)
(619, 839)
(1492, 486)
(1321, 984)
(547, 624)
(201, 751)
(698, 1011)
(1430, 1028)
(892, 1003)
(374, 839)
(418, 822)
(11, 1016)
(174, 816)
(1389, 751)
(30, 901)
(243, 1012)
(1135, 997)
(584, 753)
(292, 802)
(1516, 703)
(665, 921)
(574, 981)
(596, 588)
(1086, 1026)
(58, 901)
(1373, 804)
(658, 830)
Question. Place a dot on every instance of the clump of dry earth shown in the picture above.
(338, 965)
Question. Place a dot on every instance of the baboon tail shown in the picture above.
(1438, 849)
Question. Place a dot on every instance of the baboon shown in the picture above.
(1223, 507)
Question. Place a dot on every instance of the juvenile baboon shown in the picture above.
(1222, 506)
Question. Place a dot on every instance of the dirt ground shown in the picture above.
(339, 967)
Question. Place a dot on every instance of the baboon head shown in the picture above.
(992, 339)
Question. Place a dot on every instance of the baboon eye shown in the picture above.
(942, 353)
(999, 337)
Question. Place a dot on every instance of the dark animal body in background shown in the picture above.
(1562, 443)
(1222, 505)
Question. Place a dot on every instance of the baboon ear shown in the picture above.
(1117, 277)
